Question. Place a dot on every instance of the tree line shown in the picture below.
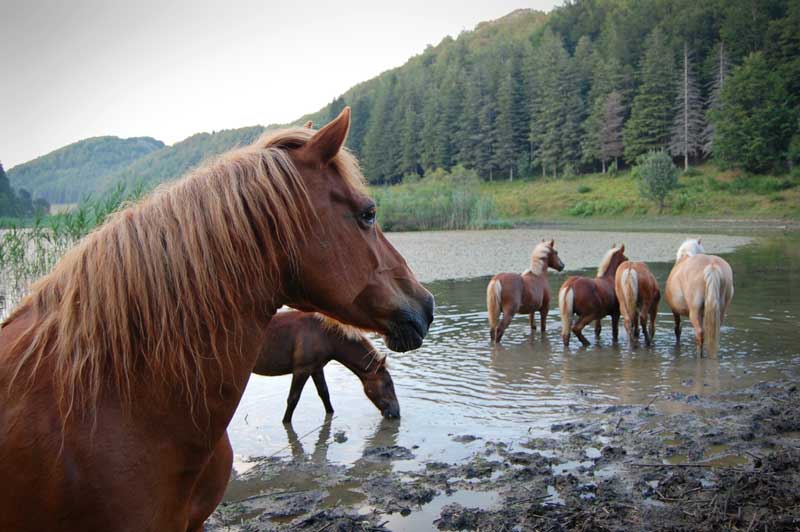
(18, 204)
(591, 86)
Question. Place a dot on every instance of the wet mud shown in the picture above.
(725, 461)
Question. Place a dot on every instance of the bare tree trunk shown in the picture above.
(685, 106)
(604, 166)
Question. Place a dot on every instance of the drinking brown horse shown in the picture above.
(591, 299)
(302, 343)
(120, 371)
(700, 286)
(638, 295)
(525, 293)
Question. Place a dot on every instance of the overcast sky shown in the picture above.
(73, 69)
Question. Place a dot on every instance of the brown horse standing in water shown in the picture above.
(302, 344)
(591, 299)
(525, 293)
(700, 286)
(120, 371)
(638, 295)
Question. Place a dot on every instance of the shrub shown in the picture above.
(657, 176)
(583, 189)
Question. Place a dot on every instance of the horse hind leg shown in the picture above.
(532, 319)
(578, 327)
(543, 315)
(322, 390)
(598, 327)
(677, 327)
(505, 321)
(647, 336)
(697, 322)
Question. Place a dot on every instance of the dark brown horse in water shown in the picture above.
(525, 293)
(301, 344)
(591, 299)
(120, 371)
(638, 295)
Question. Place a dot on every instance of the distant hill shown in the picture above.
(67, 174)
(173, 161)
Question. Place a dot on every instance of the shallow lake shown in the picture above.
(458, 384)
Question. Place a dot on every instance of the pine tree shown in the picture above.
(511, 121)
(687, 129)
(650, 123)
(611, 146)
(720, 72)
(607, 77)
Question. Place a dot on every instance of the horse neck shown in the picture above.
(357, 355)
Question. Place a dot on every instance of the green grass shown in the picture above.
(703, 192)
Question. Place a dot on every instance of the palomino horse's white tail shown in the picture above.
(630, 292)
(494, 303)
(566, 297)
(711, 314)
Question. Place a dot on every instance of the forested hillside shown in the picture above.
(71, 172)
(173, 161)
(597, 82)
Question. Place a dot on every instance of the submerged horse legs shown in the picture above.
(322, 390)
(677, 327)
(696, 317)
(614, 326)
(577, 328)
(532, 319)
(508, 314)
(543, 314)
(298, 381)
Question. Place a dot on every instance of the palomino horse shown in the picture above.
(699, 286)
(120, 371)
(302, 344)
(514, 293)
(638, 295)
(591, 299)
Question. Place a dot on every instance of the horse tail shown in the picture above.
(493, 302)
(711, 314)
(630, 292)
(566, 298)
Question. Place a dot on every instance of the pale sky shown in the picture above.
(73, 69)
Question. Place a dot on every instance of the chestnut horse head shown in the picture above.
(349, 270)
(553, 260)
(379, 388)
(611, 261)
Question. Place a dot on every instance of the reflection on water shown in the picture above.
(457, 383)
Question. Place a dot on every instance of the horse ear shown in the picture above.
(329, 140)
(552, 242)
(699, 239)
(308, 124)
(622, 248)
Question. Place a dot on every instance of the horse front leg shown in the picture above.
(532, 320)
(543, 318)
(614, 327)
(322, 390)
(598, 326)
(298, 382)
(211, 484)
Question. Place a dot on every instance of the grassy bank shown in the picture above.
(703, 193)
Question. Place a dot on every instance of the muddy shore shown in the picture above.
(728, 461)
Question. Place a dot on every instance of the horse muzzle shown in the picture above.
(392, 411)
(410, 327)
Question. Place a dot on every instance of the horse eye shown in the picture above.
(368, 215)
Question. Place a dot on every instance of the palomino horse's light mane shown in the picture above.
(606, 262)
(156, 292)
(377, 358)
(539, 258)
(690, 246)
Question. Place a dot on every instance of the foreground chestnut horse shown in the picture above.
(699, 286)
(121, 370)
(638, 295)
(514, 293)
(302, 343)
(591, 299)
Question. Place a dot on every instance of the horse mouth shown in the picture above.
(407, 334)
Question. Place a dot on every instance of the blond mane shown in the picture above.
(539, 258)
(690, 246)
(158, 291)
(606, 262)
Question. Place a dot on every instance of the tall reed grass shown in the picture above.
(28, 252)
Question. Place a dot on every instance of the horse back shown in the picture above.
(592, 295)
(294, 340)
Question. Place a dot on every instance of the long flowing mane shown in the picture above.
(606, 262)
(690, 246)
(539, 258)
(159, 289)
